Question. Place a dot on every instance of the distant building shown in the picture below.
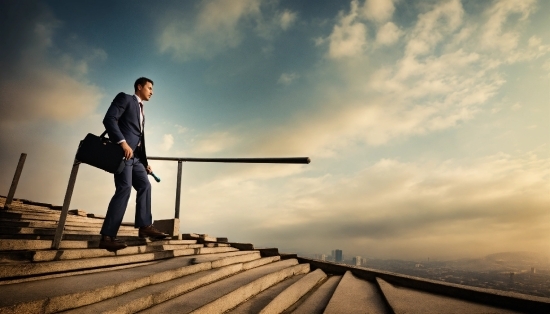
(338, 257)
(357, 261)
(322, 257)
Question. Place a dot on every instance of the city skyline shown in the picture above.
(427, 122)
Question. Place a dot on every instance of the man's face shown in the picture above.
(145, 92)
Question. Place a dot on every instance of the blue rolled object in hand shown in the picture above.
(154, 176)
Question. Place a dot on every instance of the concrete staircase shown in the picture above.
(202, 274)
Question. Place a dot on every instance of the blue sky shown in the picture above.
(427, 122)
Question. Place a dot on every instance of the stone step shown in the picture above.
(60, 255)
(405, 300)
(226, 294)
(41, 211)
(262, 299)
(76, 273)
(178, 246)
(318, 300)
(201, 238)
(39, 250)
(67, 229)
(20, 207)
(86, 240)
(209, 250)
(49, 215)
(208, 244)
(21, 244)
(22, 270)
(59, 294)
(52, 224)
(43, 231)
(353, 293)
(148, 296)
(25, 215)
(172, 242)
(294, 293)
(12, 271)
(13, 257)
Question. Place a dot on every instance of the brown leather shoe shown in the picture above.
(151, 232)
(111, 244)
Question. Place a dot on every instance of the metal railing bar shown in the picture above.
(15, 180)
(269, 160)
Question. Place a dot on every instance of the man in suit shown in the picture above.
(124, 123)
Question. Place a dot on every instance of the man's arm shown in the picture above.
(115, 111)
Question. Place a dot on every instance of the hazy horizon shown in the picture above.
(427, 122)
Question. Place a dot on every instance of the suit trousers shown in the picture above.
(133, 175)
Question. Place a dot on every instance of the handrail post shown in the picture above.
(65, 209)
(178, 191)
(15, 180)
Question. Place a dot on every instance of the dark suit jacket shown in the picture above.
(122, 122)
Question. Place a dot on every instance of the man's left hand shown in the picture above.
(149, 169)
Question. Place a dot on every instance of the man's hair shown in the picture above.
(142, 81)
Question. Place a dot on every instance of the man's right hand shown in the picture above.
(128, 152)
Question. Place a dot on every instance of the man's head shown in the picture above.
(143, 87)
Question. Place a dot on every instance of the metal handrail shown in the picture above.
(269, 160)
(72, 180)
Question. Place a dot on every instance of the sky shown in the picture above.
(427, 122)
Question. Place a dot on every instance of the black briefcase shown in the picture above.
(100, 152)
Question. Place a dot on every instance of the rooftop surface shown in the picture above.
(198, 273)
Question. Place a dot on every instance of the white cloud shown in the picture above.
(216, 28)
(378, 10)
(494, 35)
(167, 142)
(46, 85)
(214, 142)
(388, 34)
(287, 19)
(444, 78)
(348, 38)
(434, 26)
(181, 129)
(287, 78)
(220, 25)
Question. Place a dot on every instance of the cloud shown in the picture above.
(215, 29)
(181, 129)
(494, 35)
(434, 26)
(287, 19)
(378, 10)
(42, 84)
(516, 106)
(214, 142)
(287, 78)
(348, 38)
(433, 84)
(167, 142)
(218, 26)
(388, 34)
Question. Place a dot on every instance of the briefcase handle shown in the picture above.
(103, 134)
